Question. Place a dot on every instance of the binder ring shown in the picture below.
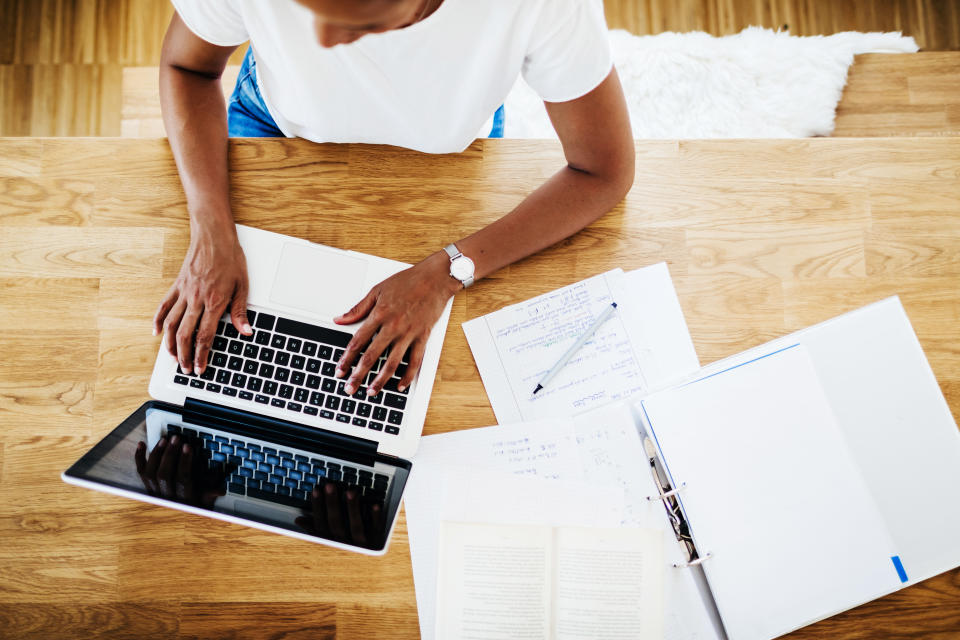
(693, 563)
(667, 494)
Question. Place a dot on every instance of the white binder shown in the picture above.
(811, 474)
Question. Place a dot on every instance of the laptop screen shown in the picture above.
(328, 497)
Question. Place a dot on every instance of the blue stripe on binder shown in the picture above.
(899, 567)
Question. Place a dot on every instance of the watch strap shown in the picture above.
(452, 250)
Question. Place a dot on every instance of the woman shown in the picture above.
(422, 74)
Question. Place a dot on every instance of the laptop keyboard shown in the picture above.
(290, 365)
(274, 474)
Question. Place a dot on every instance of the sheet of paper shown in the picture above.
(642, 346)
(599, 447)
(773, 493)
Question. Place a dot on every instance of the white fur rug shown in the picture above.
(756, 84)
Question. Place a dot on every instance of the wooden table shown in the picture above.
(762, 238)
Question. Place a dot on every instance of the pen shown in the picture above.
(576, 346)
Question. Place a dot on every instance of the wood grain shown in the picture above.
(761, 237)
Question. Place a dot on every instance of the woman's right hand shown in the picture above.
(213, 275)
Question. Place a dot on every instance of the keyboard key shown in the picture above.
(248, 338)
(326, 352)
(309, 349)
(229, 391)
(220, 343)
(253, 447)
(391, 385)
(265, 321)
(266, 355)
(250, 351)
(379, 414)
(219, 360)
(333, 465)
(310, 477)
(377, 399)
(282, 359)
(316, 398)
(221, 440)
(288, 463)
(298, 378)
(313, 382)
(278, 342)
(286, 391)
(254, 384)
(298, 362)
(230, 331)
(333, 402)
(299, 494)
(262, 399)
(392, 429)
(294, 344)
(239, 380)
(226, 448)
(338, 354)
(236, 487)
(181, 379)
(359, 422)
(286, 454)
(293, 406)
(251, 316)
(223, 376)
(301, 395)
(394, 401)
(212, 386)
(250, 367)
(256, 456)
(252, 483)
(236, 347)
(277, 402)
(210, 445)
(342, 389)
(342, 417)
(395, 417)
(270, 387)
(348, 406)
(293, 484)
(235, 363)
(314, 365)
(262, 338)
(282, 374)
(312, 411)
(273, 458)
(269, 450)
(302, 465)
(364, 409)
(196, 383)
(326, 413)
(328, 385)
(266, 370)
(282, 491)
(295, 475)
(334, 475)
(245, 472)
(275, 479)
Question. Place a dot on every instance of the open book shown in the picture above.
(506, 582)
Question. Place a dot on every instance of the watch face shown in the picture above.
(462, 268)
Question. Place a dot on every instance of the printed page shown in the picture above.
(644, 344)
(494, 582)
(608, 584)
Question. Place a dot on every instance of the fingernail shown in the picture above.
(316, 493)
(163, 442)
(401, 387)
(339, 373)
(186, 448)
(154, 330)
(175, 440)
(348, 387)
(246, 327)
(371, 391)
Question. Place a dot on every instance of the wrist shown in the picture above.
(439, 265)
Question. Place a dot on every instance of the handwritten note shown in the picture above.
(517, 345)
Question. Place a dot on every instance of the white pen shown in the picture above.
(576, 346)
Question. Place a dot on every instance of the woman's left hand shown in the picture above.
(399, 312)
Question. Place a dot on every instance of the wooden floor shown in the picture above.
(61, 61)
(762, 238)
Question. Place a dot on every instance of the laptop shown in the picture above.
(267, 436)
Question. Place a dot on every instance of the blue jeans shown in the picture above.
(248, 117)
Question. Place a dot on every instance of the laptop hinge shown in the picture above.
(280, 431)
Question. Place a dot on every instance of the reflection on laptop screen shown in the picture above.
(347, 499)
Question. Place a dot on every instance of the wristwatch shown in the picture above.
(461, 267)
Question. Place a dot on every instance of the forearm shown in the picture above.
(562, 206)
(195, 117)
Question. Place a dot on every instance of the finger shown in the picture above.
(331, 499)
(238, 308)
(393, 361)
(376, 517)
(184, 488)
(305, 523)
(140, 456)
(417, 350)
(171, 323)
(320, 524)
(354, 517)
(167, 468)
(380, 344)
(153, 463)
(185, 336)
(357, 343)
(359, 310)
(205, 335)
(164, 308)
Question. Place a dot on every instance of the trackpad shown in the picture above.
(318, 280)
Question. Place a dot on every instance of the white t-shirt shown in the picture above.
(429, 86)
